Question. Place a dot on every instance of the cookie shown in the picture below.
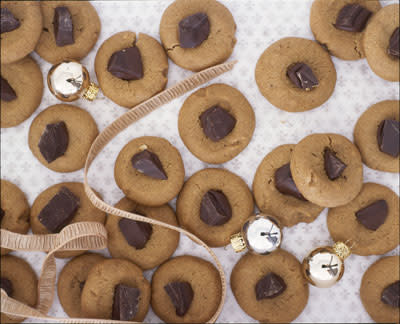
(382, 57)
(270, 288)
(216, 123)
(370, 222)
(275, 192)
(60, 205)
(21, 91)
(131, 69)
(60, 137)
(20, 35)
(295, 74)
(213, 205)
(71, 280)
(378, 151)
(14, 210)
(379, 290)
(327, 169)
(70, 30)
(19, 282)
(144, 244)
(149, 170)
(339, 25)
(194, 281)
(105, 281)
(197, 34)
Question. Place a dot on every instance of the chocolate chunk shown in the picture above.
(7, 93)
(193, 30)
(394, 46)
(8, 21)
(334, 166)
(59, 210)
(352, 17)
(126, 303)
(54, 141)
(63, 27)
(217, 123)
(7, 286)
(374, 215)
(388, 137)
(302, 76)
(2, 213)
(148, 163)
(270, 286)
(181, 295)
(391, 294)
(126, 64)
(215, 208)
(136, 233)
(284, 182)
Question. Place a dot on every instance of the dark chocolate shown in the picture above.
(352, 18)
(388, 137)
(391, 294)
(394, 46)
(193, 30)
(215, 208)
(284, 182)
(54, 141)
(217, 123)
(302, 76)
(2, 213)
(59, 211)
(126, 64)
(149, 164)
(8, 21)
(136, 233)
(63, 27)
(7, 286)
(334, 166)
(181, 295)
(7, 93)
(126, 303)
(270, 286)
(374, 215)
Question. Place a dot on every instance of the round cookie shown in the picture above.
(85, 212)
(159, 243)
(369, 232)
(253, 273)
(236, 114)
(309, 162)
(26, 81)
(346, 45)
(220, 39)
(86, 29)
(204, 281)
(154, 63)
(376, 279)
(23, 282)
(281, 57)
(376, 42)
(14, 210)
(81, 129)
(145, 189)
(71, 281)
(98, 291)
(19, 42)
(287, 207)
(366, 135)
(195, 196)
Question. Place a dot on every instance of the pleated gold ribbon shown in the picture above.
(92, 236)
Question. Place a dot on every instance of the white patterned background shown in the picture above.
(260, 23)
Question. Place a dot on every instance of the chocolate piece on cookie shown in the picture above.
(126, 64)
(54, 141)
(181, 295)
(149, 164)
(126, 302)
(63, 26)
(193, 30)
(7, 92)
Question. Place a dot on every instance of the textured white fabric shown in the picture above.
(260, 23)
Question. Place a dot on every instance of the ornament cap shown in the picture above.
(91, 92)
(238, 242)
(342, 250)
